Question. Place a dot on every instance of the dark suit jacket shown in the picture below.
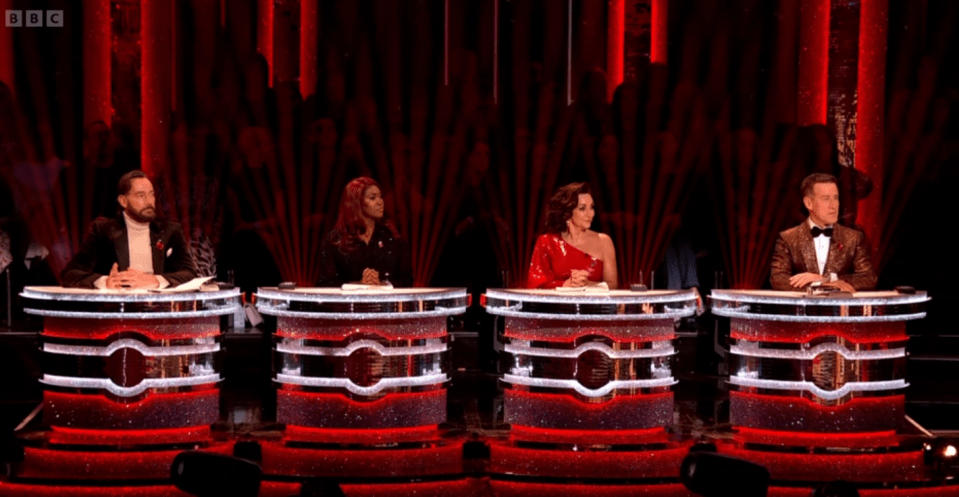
(107, 243)
(848, 257)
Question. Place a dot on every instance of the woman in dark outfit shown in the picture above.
(364, 247)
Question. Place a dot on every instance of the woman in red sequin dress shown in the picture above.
(569, 254)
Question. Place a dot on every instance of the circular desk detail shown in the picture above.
(588, 361)
(106, 351)
(361, 380)
(361, 359)
(816, 354)
(588, 383)
(130, 378)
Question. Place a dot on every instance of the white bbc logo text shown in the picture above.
(33, 18)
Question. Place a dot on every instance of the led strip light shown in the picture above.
(290, 348)
(588, 392)
(108, 385)
(346, 383)
(600, 347)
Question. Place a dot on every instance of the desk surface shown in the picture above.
(799, 307)
(54, 301)
(611, 305)
(335, 303)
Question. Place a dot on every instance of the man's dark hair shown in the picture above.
(123, 187)
(810, 182)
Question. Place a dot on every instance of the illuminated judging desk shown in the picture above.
(587, 383)
(361, 370)
(130, 378)
(817, 384)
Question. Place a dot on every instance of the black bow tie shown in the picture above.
(816, 231)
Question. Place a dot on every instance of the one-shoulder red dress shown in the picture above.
(554, 260)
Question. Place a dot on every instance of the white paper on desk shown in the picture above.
(599, 288)
(190, 286)
(359, 287)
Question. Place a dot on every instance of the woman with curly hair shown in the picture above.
(568, 253)
(364, 247)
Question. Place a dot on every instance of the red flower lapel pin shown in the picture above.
(159, 245)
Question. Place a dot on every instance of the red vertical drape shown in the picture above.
(813, 62)
(96, 62)
(309, 17)
(870, 110)
(156, 61)
(657, 52)
(264, 33)
(615, 28)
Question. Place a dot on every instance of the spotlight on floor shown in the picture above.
(942, 455)
(205, 474)
(713, 475)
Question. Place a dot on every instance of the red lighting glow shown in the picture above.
(862, 414)
(506, 458)
(27, 490)
(623, 412)
(659, 30)
(615, 51)
(155, 410)
(870, 115)
(335, 329)
(281, 460)
(512, 488)
(76, 465)
(588, 437)
(72, 436)
(151, 329)
(902, 467)
(335, 410)
(813, 62)
(361, 436)
(813, 439)
(788, 332)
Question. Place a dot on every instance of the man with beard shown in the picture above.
(133, 250)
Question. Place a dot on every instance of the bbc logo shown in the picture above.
(33, 18)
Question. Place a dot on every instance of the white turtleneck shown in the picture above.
(141, 255)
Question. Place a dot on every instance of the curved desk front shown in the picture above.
(588, 383)
(364, 368)
(821, 374)
(130, 378)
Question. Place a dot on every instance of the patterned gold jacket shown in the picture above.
(848, 257)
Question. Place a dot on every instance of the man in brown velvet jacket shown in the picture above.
(819, 250)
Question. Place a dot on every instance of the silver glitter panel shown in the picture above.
(336, 304)
(127, 304)
(616, 305)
